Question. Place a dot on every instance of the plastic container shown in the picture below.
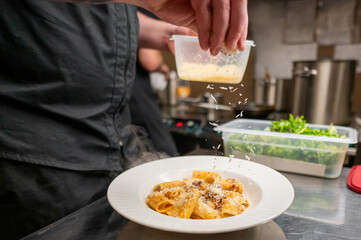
(195, 64)
(296, 153)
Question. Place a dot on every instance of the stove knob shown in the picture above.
(190, 123)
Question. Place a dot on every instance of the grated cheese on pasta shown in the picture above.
(213, 193)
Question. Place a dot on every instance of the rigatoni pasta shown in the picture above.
(205, 196)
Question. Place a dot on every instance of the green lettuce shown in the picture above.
(299, 125)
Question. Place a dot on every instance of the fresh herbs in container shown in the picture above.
(290, 145)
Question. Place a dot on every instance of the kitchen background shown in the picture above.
(285, 32)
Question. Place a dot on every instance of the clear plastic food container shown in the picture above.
(195, 64)
(297, 153)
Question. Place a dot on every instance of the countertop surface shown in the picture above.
(322, 209)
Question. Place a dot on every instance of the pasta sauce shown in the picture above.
(205, 196)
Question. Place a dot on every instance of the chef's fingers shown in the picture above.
(241, 42)
(203, 14)
(220, 22)
(238, 25)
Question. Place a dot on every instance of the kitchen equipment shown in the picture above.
(358, 149)
(175, 90)
(273, 92)
(168, 96)
(213, 98)
(195, 64)
(157, 81)
(183, 89)
(254, 110)
(298, 153)
(322, 90)
(172, 88)
(191, 124)
(354, 179)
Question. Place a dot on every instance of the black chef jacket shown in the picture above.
(146, 113)
(66, 73)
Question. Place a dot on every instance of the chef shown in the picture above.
(66, 74)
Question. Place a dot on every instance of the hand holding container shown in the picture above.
(195, 64)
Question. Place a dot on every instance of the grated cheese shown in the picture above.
(214, 193)
(209, 72)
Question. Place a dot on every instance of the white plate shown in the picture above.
(268, 192)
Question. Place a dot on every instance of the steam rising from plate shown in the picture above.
(137, 148)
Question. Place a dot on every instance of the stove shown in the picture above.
(193, 127)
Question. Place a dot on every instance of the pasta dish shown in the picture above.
(205, 196)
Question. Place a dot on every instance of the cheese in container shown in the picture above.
(195, 64)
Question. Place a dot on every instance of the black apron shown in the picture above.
(66, 74)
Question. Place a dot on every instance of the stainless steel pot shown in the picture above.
(322, 91)
(168, 96)
(273, 92)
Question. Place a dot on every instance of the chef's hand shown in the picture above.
(156, 34)
(216, 21)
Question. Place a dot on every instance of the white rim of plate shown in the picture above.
(125, 197)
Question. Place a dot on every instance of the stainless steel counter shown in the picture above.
(322, 209)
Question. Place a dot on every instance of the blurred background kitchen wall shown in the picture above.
(286, 31)
(298, 30)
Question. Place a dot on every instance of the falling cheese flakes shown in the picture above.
(209, 86)
(214, 124)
